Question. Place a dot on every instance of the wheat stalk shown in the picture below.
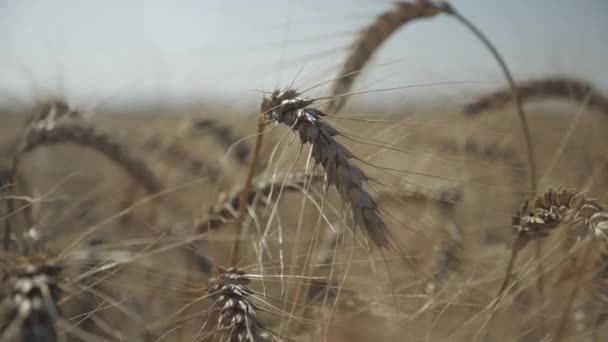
(450, 10)
(370, 40)
(602, 293)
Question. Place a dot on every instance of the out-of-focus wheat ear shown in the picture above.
(228, 207)
(495, 153)
(224, 136)
(31, 287)
(49, 113)
(41, 133)
(236, 312)
(370, 40)
(562, 88)
(87, 136)
(488, 152)
(46, 115)
(176, 156)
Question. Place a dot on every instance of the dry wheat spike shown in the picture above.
(286, 108)
(538, 218)
(370, 40)
(584, 220)
(233, 299)
(565, 88)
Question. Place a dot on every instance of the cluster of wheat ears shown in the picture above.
(310, 237)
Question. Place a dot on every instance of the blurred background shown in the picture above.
(147, 55)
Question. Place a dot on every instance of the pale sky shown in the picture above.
(117, 52)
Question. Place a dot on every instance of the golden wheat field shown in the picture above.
(312, 218)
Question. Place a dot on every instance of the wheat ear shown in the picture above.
(89, 137)
(565, 88)
(32, 294)
(232, 298)
(49, 130)
(286, 108)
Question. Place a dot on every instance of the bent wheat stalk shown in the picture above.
(450, 10)
(53, 129)
(566, 88)
(370, 40)
(244, 195)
